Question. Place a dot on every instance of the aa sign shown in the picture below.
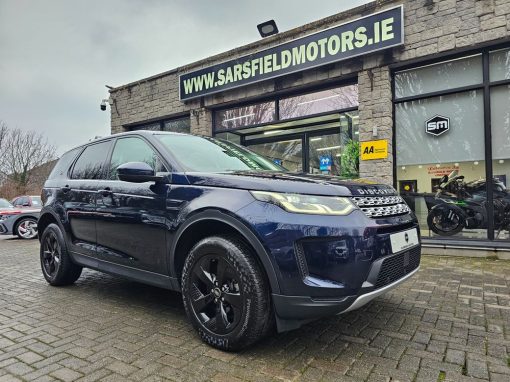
(374, 149)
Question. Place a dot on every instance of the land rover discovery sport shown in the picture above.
(249, 245)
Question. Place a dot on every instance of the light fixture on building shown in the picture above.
(475, 163)
(456, 165)
(315, 139)
(403, 167)
(272, 132)
(328, 148)
(267, 28)
(420, 166)
(501, 161)
(438, 165)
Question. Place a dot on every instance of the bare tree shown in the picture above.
(3, 134)
(20, 153)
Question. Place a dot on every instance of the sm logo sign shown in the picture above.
(437, 125)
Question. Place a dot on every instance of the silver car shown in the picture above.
(18, 221)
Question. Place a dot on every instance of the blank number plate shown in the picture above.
(401, 241)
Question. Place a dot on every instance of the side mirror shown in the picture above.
(137, 172)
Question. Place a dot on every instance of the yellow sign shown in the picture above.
(374, 149)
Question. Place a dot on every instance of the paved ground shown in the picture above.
(451, 322)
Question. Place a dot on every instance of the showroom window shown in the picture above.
(444, 113)
(313, 132)
(176, 125)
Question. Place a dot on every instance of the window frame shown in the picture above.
(485, 87)
(160, 121)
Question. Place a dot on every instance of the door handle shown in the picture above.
(65, 189)
(106, 191)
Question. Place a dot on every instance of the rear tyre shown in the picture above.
(26, 228)
(225, 293)
(56, 264)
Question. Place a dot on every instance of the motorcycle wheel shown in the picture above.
(445, 221)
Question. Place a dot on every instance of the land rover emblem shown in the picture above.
(437, 125)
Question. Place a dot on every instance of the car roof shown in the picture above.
(139, 132)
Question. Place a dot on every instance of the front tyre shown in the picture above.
(56, 264)
(225, 293)
(445, 221)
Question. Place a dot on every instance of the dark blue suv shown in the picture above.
(248, 244)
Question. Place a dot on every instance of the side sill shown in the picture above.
(134, 274)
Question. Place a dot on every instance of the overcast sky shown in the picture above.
(56, 56)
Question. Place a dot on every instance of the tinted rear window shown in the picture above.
(91, 163)
(63, 164)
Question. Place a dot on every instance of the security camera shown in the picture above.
(103, 104)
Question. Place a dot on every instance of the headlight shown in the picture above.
(307, 204)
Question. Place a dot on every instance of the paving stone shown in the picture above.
(477, 369)
(455, 356)
(66, 375)
(111, 329)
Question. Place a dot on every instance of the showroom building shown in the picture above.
(400, 92)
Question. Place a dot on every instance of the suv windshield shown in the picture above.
(205, 154)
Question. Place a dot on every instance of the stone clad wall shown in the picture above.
(430, 27)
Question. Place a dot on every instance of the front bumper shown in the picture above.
(385, 274)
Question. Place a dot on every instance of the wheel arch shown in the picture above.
(192, 231)
(44, 221)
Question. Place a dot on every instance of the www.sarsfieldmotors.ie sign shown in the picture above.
(365, 35)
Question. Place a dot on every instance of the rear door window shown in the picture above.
(92, 161)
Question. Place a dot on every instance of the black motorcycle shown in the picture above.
(458, 204)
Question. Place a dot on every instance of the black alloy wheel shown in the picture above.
(215, 294)
(56, 264)
(226, 294)
(51, 254)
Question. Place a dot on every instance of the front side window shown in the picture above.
(91, 163)
(21, 201)
(204, 154)
(133, 149)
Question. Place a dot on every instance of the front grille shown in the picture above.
(381, 206)
(397, 266)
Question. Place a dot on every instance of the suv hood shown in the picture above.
(299, 183)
